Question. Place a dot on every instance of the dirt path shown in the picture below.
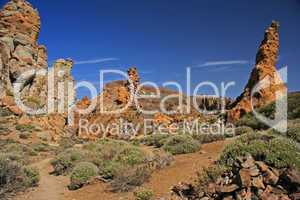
(184, 169)
(50, 187)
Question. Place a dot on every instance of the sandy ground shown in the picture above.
(183, 170)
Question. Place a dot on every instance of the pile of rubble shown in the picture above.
(248, 180)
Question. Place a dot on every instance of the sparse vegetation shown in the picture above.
(156, 140)
(243, 130)
(19, 150)
(209, 175)
(127, 178)
(25, 128)
(124, 164)
(208, 138)
(65, 162)
(144, 194)
(14, 175)
(269, 111)
(181, 144)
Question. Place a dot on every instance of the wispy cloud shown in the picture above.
(222, 63)
(95, 61)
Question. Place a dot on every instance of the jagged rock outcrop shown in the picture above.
(19, 30)
(20, 52)
(124, 92)
(265, 69)
(20, 26)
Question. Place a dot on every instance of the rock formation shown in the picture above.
(20, 52)
(265, 70)
(19, 30)
(124, 92)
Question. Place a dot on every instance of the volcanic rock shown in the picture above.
(264, 73)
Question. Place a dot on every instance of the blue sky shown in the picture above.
(162, 37)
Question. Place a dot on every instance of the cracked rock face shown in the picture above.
(264, 71)
(19, 30)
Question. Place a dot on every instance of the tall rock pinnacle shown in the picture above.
(265, 69)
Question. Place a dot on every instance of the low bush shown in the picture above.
(21, 150)
(181, 144)
(243, 130)
(15, 176)
(293, 131)
(122, 163)
(128, 178)
(275, 151)
(209, 175)
(42, 147)
(82, 174)
(130, 156)
(66, 143)
(156, 140)
(269, 111)
(64, 162)
(144, 194)
(208, 138)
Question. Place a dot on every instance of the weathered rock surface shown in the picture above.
(19, 30)
(265, 70)
(20, 52)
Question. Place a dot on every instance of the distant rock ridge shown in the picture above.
(265, 69)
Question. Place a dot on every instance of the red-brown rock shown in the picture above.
(265, 69)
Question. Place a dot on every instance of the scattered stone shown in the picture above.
(229, 188)
(270, 178)
(245, 177)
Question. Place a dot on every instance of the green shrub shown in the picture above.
(209, 175)
(275, 151)
(181, 144)
(66, 143)
(25, 128)
(32, 176)
(82, 174)
(64, 162)
(143, 194)
(251, 121)
(156, 140)
(243, 130)
(128, 178)
(208, 138)
(41, 147)
(131, 156)
(21, 150)
(269, 111)
(293, 131)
